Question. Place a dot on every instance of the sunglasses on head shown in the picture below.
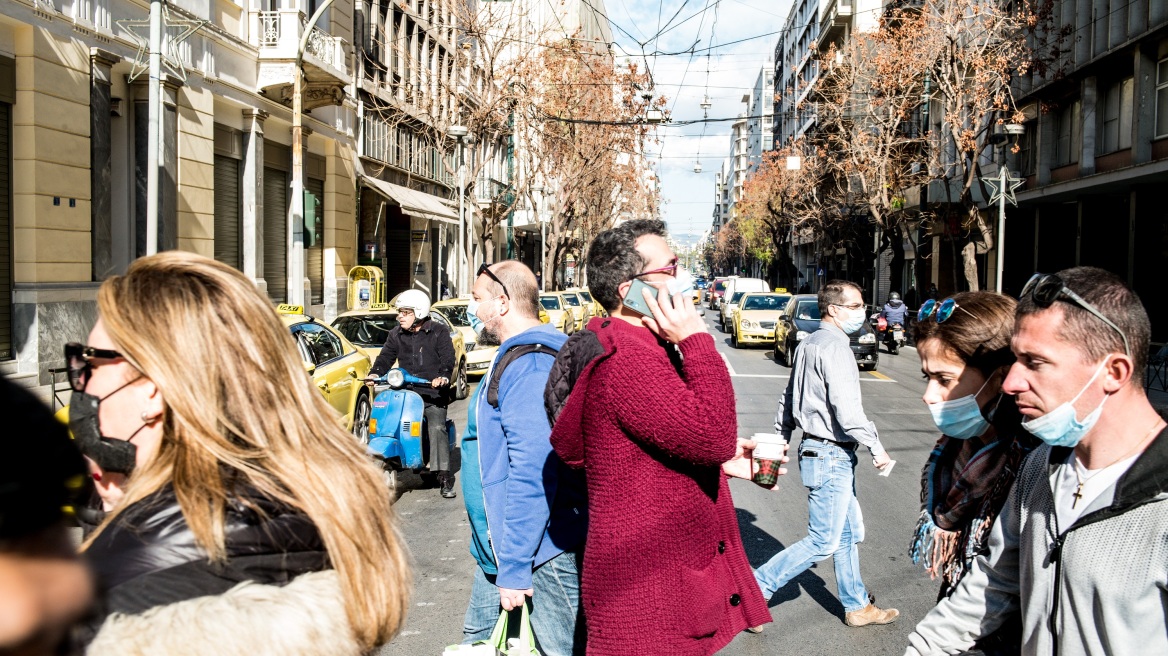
(485, 270)
(79, 365)
(940, 311)
(1046, 288)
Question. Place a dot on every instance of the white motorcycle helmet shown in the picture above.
(416, 300)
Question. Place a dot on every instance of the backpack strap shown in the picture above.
(507, 358)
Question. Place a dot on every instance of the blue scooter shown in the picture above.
(397, 426)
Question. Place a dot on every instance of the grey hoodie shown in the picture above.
(1097, 587)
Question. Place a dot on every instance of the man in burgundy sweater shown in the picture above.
(664, 567)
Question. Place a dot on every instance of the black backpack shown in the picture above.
(507, 358)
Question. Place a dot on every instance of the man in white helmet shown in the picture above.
(423, 348)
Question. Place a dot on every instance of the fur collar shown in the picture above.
(306, 617)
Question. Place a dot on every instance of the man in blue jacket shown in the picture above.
(527, 509)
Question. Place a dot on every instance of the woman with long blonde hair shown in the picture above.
(242, 518)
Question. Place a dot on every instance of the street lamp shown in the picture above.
(1003, 185)
(458, 133)
(540, 214)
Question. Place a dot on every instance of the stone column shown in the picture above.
(101, 162)
(252, 191)
(1088, 109)
(1144, 97)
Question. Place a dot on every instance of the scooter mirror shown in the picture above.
(310, 368)
(395, 378)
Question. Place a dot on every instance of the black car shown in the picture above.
(800, 318)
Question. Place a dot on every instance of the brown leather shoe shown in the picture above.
(870, 614)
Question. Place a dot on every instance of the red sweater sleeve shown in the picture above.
(692, 417)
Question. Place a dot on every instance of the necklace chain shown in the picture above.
(1082, 480)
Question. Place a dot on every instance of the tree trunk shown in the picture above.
(896, 265)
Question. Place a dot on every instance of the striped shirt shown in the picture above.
(823, 394)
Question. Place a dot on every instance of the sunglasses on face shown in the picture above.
(1046, 288)
(485, 270)
(669, 270)
(79, 365)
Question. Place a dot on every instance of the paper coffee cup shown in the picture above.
(769, 446)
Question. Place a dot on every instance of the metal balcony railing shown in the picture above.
(283, 28)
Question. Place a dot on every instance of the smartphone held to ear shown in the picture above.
(635, 300)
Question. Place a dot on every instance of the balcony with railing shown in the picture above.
(326, 58)
(490, 190)
(836, 16)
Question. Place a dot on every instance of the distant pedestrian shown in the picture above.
(964, 346)
(664, 568)
(823, 399)
(1081, 546)
(527, 509)
(933, 293)
(242, 518)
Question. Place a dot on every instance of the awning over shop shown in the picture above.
(414, 203)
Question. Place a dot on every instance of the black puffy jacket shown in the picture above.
(427, 353)
(149, 556)
(580, 349)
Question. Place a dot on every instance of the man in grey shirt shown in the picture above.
(823, 398)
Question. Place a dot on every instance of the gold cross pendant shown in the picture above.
(1078, 494)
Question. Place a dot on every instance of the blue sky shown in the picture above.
(683, 79)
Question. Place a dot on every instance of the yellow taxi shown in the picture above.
(336, 366)
(558, 311)
(594, 308)
(581, 309)
(755, 318)
(478, 357)
(367, 329)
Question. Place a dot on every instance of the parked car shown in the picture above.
(801, 318)
(559, 312)
(755, 320)
(478, 358)
(580, 308)
(336, 365)
(594, 307)
(367, 329)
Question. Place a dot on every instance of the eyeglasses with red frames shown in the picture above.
(670, 270)
(79, 363)
(485, 269)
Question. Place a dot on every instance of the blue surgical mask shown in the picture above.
(960, 418)
(472, 309)
(854, 321)
(1060, 427)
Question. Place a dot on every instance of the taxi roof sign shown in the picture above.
(285, 308)
(379, 306)
(781, 290)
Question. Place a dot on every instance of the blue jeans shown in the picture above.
(834, 526)
(556, 617)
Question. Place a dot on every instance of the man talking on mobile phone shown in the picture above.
(664, 568)
(823, 399)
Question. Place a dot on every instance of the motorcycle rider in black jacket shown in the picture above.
(423, 348)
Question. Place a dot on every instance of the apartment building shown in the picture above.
(73, 153)
(1094, 154)
(760, 135)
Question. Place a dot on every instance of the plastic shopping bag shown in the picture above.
(498, 644)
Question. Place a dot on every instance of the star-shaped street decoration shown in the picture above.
(175, 30)
(1004, 185)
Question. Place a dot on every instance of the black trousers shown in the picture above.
(439, 440)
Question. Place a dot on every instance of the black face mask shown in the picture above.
(111, 454)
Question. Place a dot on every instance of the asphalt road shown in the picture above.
(807, 613)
